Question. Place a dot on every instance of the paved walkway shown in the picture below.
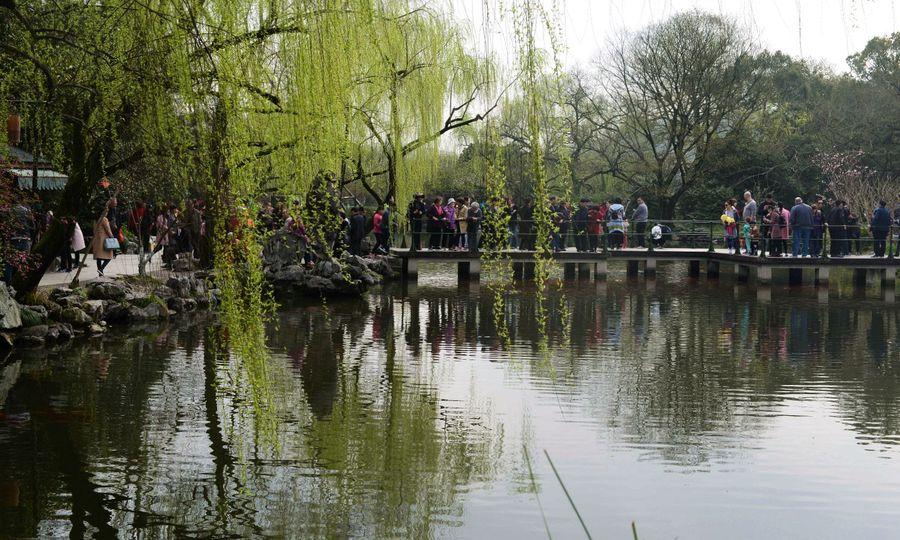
(120, 266)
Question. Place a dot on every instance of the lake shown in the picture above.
(693, 409)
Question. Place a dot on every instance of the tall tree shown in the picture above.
(676, 88)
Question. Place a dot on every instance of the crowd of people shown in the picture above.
(750, 228)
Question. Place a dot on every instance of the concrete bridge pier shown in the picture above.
(694, 268)
(822, 276)
(650, 268)
(584, 270)
(568, 271)
(409, 270)
(712, 270)
(888, 278)
(764, 275)
(601, 269)
(469, 270)
(859, 278)
(795, 276)
(518, 271)
(528, 270)
(764, 294)
(742, 271)
(632, 268)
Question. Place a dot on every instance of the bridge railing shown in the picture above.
(764, 240)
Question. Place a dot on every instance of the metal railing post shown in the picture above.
(891, 241)
(649, 237)
(712, 247)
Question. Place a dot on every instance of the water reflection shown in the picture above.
(403, 415)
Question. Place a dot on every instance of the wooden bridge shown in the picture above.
(643, 261)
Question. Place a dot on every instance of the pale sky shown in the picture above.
(821, 30)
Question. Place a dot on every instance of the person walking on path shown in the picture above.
(357, 230)
(880, 225)
(801, 219)
(640, 216)
(103, 251)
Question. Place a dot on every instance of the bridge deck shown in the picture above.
(672, 254)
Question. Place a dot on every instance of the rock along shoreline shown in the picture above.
(55, 316)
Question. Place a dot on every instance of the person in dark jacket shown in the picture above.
(801, 225)
(526, 226)
(880, 225)
(415, 213)
(837, 229)
(580, 226)
(474, 219)
(357, 230)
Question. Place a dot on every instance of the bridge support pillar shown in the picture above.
(410, 269)
(518, 271)
(764, 275)
(468, 271)
(712, 270)
(528, 269)
(584, 270)
(795, 276)
(694, 268)
(889, 278)
(742, 271)
(600, 270)
(859, 278)
(568, 270)
(764, 294)
(632, 268)
(650, 268)
(822, 276)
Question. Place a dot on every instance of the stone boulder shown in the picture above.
(33, 315)
(154, 311)
(116, 312)
(10, 316)
(32, 336)
(61, 292)
(59, 332)
(95, 308)
(283, 249)
(107, 290)
(182, 305)
(183, 265)
(76, 317)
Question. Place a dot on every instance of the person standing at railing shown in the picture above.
(772, 223)
(512, 224)
(880, 225)
(556, 212)
(764, 211)
(475, 216)
(435, 218)
(526, 226)
(449, 239)
(729, 219)
(785, 223)
(818, 230)
(594, 227)
(580, 225)
(801, 217)
(837, 229)
(639, 216)
(462, 224)
(854, 233)
(749, 207)
(616, 224)
(415, 213)
(747, 233)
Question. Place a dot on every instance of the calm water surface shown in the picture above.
(696, 410)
